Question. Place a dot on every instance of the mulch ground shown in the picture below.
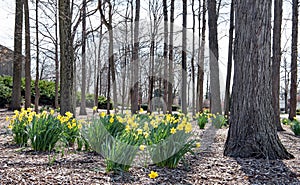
(207, 166)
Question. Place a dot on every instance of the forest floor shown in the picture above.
(207, 166)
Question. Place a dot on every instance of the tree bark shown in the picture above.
(36, 83)
(165, 77)
(183, 62)
(214, 58)
(171, 70)
(135, 62)
(229, 64)
(276, 60)
(66, 59)
(200, 77)
(17, 64)
(27, 57)
(293, 88)
(83, 58)
(193, 59)
(252, 132)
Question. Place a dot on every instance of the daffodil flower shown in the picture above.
(153, 175)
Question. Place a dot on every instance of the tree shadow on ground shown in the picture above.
(263, 171)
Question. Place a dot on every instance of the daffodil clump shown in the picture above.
(295, 126)
(202, 119)
(166, 138)
(219, 120)
(45, 129)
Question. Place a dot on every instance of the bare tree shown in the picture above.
(276, 59)
(36, 83)
(200, 76)
(183, 62)
(66, 58)
(134, 92)
(17, 65)
(214, 58)
(293, 89)
(171, 70)
(193, 58)
(251, 133)
(229, 64)
(27, 57)
(83, 58)
(166, 29)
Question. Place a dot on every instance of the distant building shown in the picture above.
(6, 62)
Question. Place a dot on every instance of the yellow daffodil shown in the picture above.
(173, 130)
(95, 108)
(146, 134)
(198, 145)
(180, 126)
(69, 114)
(142, 147)
(127, 128)
(153, 175)
(102, 114)
(141, 110)
(79, 126)
(111, 119)
(52, 111)
(7, 118)
(139, 131)
(10, 126)
(188, 127)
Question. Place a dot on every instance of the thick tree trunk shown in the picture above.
(252, 132)
(214, 58)
(229, 64)
(200, 77)
(83, 58)
(276, 62)
(171, 70)
(36, 83)
(66, 59)
(293, 89)
(183, 61)
(27, 57)
(135, 62)
(17, 64)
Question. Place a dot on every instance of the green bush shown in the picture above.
(102, 103)
(286, 121)
(5, 95)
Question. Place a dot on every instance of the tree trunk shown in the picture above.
(193, 60)
(135, 62)
(293, 89)
(200, 77)
(83, 58)
(165, 77)
(66, 59)
(56, 104)
(17, 64)
(276, 62)
(214, 58)
(36, 83)
(252, 132)
(183, 62)
(229, 64)
(171, 70)
(27, 57)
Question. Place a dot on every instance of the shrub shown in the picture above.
(102, 103)
(295, 126)
(5, 95)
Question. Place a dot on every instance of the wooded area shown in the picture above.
(163, 61)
